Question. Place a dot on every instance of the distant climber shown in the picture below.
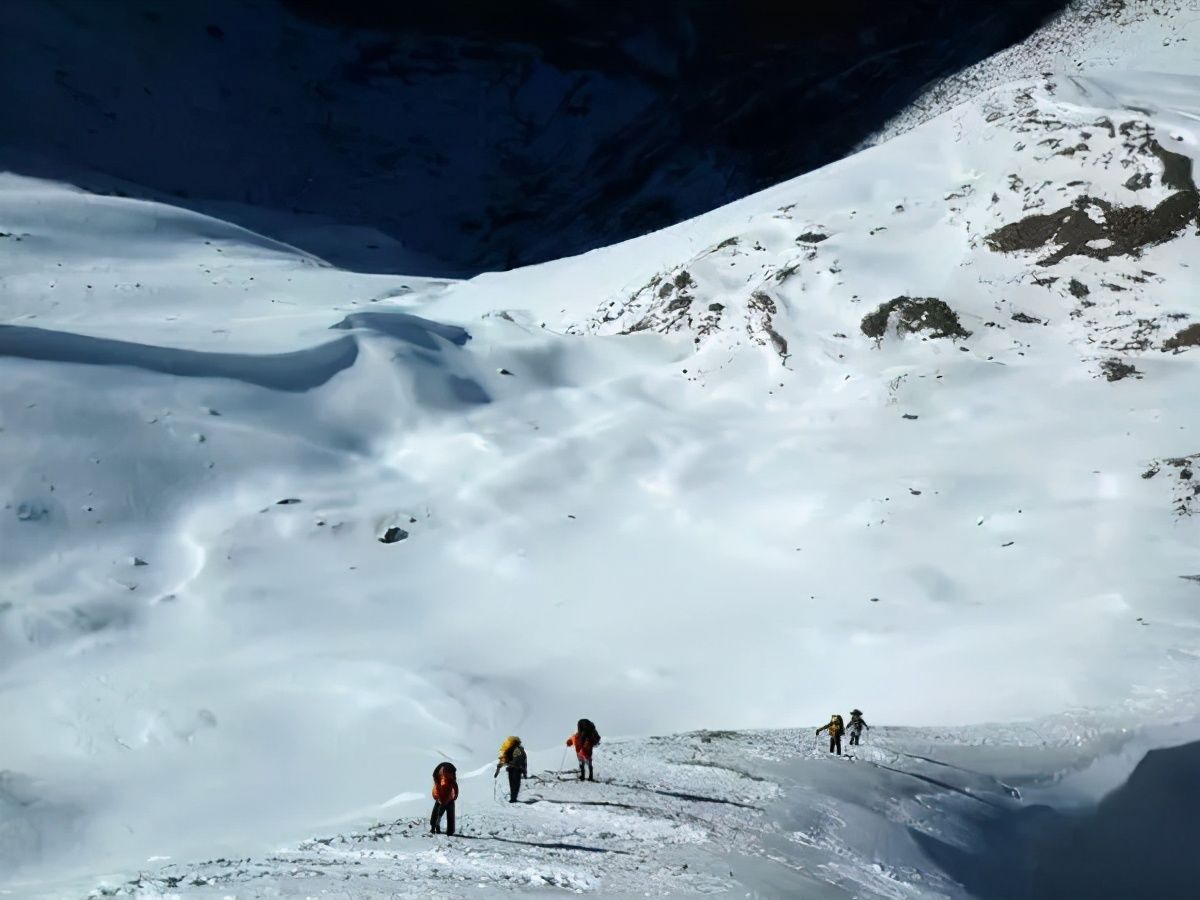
(835, 729)
(512, 757)
(856, 726)
(445, 792)
(584, 740)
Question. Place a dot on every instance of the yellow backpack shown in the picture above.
(507, 747)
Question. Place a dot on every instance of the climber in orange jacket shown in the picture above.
(584, 740)
(445, 792)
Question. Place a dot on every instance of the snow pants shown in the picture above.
(586, 761)
(514, 784)
(854, 736)
(835, 743)
(435, 820)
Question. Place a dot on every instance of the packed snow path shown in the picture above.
(911, 813)
(697, 813)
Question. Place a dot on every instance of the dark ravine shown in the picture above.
(469, 136)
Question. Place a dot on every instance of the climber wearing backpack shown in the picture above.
(445, 792)
(856, 726)
(584, 740)
(835, 729)
(512, 757)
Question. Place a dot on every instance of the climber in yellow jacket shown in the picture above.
(512, 757)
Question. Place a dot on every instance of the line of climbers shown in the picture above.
(837, 728)
(513, 759)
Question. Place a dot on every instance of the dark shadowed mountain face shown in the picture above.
(1139, 841)
(450, 138)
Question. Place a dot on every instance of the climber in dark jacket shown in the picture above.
(856, 726)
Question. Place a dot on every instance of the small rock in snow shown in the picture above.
(505, 372)
(909, 416)
(287, 501)
(138, 561)
(393, 535)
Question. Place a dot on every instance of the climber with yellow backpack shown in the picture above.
(835, 729)
(512, 757)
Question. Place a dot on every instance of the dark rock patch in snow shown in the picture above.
(1116, 369)
(1177, 168)
(1139, 182)
(911, 315)
(1120, 231)
(1186, 487)
(761, 324)
(1188, 337)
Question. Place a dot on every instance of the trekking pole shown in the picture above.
(562, 762)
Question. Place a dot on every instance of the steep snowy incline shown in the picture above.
(914, 432)
(1088, 37)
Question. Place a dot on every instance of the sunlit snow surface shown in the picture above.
(623, 498)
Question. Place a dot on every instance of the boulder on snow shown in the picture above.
(393, 535)
(1188, 337)
(914, 314)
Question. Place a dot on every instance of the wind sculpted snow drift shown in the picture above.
(841, 443)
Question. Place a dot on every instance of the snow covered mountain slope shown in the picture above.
(914, 432)
(1088, 36)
